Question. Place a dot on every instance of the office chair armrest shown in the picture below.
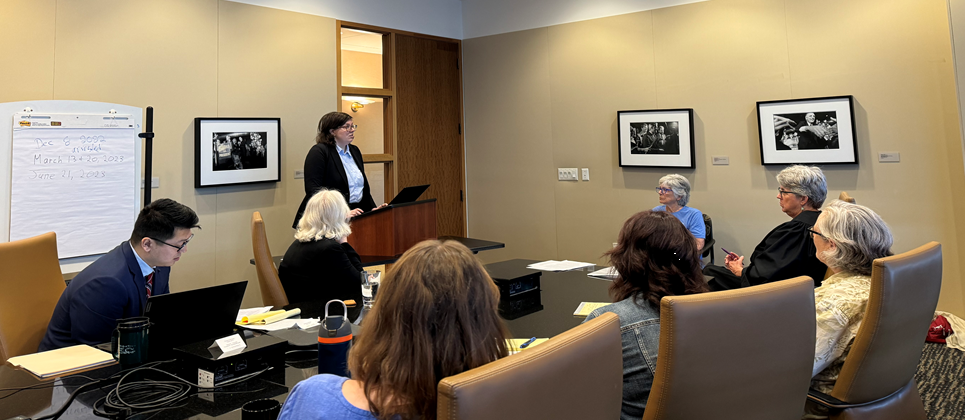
(708, 246)
(834, 404)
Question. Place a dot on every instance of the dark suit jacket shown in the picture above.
(109, 289)
(319, 271)
(324, 169)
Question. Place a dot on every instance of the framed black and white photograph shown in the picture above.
(814, 130)
(659, 138)
(231, 151)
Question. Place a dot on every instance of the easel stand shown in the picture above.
(148, 136)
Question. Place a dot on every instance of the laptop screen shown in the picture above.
(191, 316)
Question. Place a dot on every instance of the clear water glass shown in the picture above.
(370, 286)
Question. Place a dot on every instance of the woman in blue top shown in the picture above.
(655, 257)
(435, 317)
(674, 192)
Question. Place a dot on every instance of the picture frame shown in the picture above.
(656, 138)
(808, 131)
(234, 151)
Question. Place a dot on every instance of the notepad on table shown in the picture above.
(585, 308)
(60, 361)
(514, 343)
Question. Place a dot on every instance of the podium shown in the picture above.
(392, 230)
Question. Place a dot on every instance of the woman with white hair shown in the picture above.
(848, 238)
(320, 265)
(787, 251)
(674, 194)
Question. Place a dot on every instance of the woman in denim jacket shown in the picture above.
(656, 256)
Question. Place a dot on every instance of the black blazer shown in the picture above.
(319, 271)
(324, 169)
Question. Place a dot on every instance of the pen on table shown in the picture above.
(527, 343)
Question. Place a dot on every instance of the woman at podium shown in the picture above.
(334, 163)
(320, 265)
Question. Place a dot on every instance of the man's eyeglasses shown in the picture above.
(349, 127)
(813, 232)
(664, 190)
(179, 248)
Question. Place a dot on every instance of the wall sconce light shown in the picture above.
(357, 106)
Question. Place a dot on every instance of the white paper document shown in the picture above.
(553, 265)
(608, 273)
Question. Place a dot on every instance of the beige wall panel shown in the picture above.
(598, 67)
(720, 58)
(272, 63)
(27, 29)
(510, 168)
(903, 83)
(143, 53)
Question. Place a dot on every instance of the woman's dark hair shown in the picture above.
(329, 122)
(656, 256)
(159, 219)
(435, 317)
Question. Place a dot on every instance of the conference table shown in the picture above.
(548, 314)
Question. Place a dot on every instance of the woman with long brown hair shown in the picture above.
(435, 317)
(655, 256)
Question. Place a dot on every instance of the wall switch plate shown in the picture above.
(155, 182)
(720, 160)
(586, 174)
(567, 174)
(889, 157)
(299, 173)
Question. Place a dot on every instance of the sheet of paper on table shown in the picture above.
(553, 265)
(608, 273)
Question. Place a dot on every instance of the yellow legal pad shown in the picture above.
(585, 308)
(61, 361)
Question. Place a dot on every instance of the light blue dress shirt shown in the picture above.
(145, 269)
(355, 180)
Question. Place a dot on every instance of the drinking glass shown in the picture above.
(370, 286)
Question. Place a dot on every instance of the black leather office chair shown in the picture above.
(708, 239)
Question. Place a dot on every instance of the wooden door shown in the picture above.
(429, 117)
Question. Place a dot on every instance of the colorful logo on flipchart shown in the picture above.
(25, 123)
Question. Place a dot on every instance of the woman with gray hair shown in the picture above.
(787, 251)
(674, 194)
(848, 238)
(321, 265)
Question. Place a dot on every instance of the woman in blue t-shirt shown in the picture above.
(435, 317)
(674, 192)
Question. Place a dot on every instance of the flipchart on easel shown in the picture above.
(74, 173)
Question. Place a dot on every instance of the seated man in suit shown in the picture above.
(117, 285)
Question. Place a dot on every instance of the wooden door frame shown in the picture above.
(387, 93)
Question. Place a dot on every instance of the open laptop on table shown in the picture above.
(191, 316)
(409, 194)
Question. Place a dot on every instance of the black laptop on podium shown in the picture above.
(409, 194)
(191, 316)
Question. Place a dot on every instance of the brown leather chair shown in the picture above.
(31, 285)
(737, 354)
(845, 197)
(272, 292)
(576, 375)
(877, 379)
